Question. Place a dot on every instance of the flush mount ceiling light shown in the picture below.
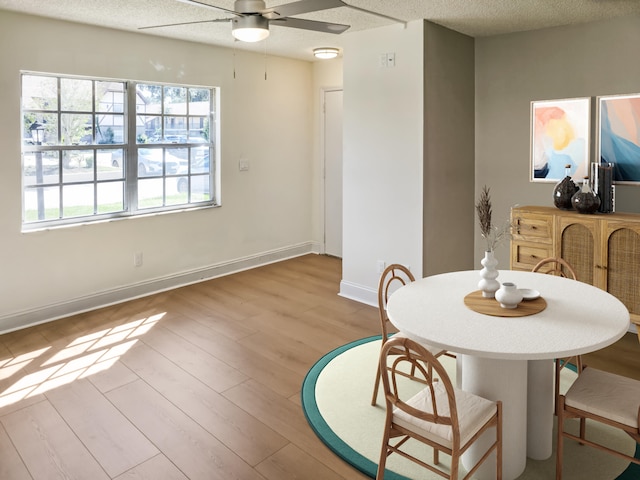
(251, 28)
(325, 52)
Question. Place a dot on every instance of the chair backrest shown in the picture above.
(555, 266)
(408, 355)
(392, 278)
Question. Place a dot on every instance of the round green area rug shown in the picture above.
(336, 395)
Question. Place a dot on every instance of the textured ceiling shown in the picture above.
(476, 18)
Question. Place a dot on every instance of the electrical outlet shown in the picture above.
(137, 259)
(381, 266)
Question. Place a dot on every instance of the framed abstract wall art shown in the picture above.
(619, 136)
(559, 137)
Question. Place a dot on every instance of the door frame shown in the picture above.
(323, 176)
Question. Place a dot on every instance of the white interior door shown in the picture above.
(333, 172)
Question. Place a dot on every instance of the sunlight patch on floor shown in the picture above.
(81, 358)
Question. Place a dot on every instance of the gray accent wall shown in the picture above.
(448, 151)
(586, 60)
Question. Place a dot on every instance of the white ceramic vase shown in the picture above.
(488, 283)
(508, 295)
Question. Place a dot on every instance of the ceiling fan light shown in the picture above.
(325, 52)
(251, 28)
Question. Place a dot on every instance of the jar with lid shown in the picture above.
(508, 295)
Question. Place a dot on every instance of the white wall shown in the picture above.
(382, 156)
(408, 154)
(265, 214)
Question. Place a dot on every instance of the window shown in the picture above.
(95, 149)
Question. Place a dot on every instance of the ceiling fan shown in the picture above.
(251, 19)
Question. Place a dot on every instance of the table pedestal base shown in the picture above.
(504, 380)
(540, 403)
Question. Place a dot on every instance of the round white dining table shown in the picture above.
(510, 358)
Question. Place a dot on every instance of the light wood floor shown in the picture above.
(202, 382)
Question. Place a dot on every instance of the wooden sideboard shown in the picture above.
(603, 249)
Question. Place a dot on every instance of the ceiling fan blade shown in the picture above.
(300, 7)
(309, 25)
(186, 23)
(206, 5)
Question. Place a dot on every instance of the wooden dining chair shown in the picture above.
(555, 266)
(392, 278)
(561, 268)
(440, 416)
(601, 397)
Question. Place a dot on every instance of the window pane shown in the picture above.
(110, 164)
(182, 184)
(148, 99)
(33, 130)
(76, 128)
(41, 203)
(39, 93)
(40, 129)
(76, 95)
(175, 129)
(77, 166)
(150, 193)
(110, 97)
(148, 129)
(176, 161)
(175, 194)
(110, 197)
(200, 190)
(199, 101)
(175, 100)
(200, 160)
(109, 129)
(150, 162)
(198, 129)
(77, 200)
(40, 168)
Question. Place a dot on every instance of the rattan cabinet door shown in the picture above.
(578, 241)
(623, 266)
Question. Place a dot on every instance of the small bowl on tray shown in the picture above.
(529, 294)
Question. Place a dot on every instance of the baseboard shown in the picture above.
(359, 293)
(48, 313)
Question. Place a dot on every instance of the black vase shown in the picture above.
(585, 201)
(564, 190)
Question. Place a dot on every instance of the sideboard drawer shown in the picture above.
(527, 255)
(533, 228)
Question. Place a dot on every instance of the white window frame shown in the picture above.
(185, 169)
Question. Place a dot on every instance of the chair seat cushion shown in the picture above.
(607, 395)
(473, 413)
(435, 351)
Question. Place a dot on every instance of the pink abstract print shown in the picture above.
(560, 137)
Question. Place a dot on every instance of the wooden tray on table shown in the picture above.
(490, 306)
